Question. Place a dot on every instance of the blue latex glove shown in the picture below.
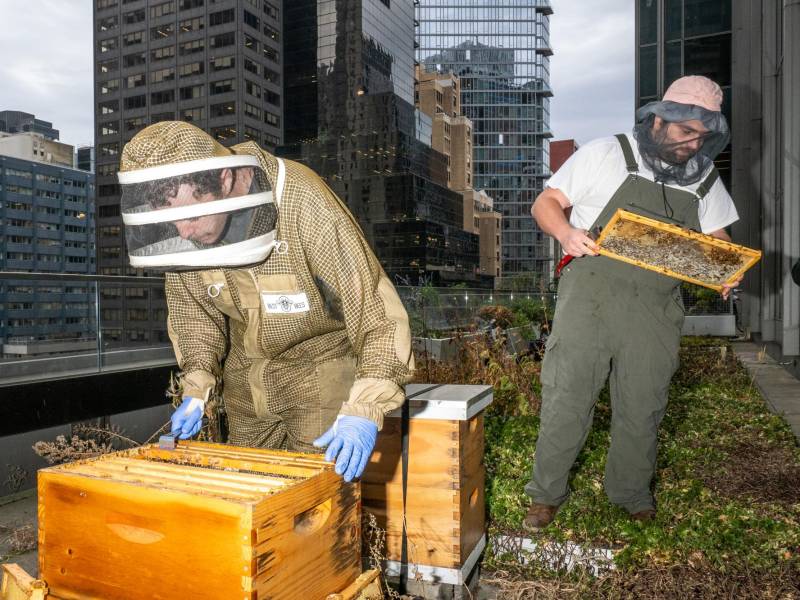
(188, 418)
(351, 441)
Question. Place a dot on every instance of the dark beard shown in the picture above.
(669, 156)
(661, 158)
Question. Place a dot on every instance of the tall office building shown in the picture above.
(349, 68)
(17, 121)
(766, 171)
(46, 226)
(684, 37)
(500, 51)
(215, 63)
(438, 96)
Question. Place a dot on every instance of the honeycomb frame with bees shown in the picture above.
(674, 251)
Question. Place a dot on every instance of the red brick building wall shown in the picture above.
(560, 151)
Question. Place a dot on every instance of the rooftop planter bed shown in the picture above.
(727, 488)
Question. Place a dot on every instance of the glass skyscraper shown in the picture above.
(500, 49)
(349, 67)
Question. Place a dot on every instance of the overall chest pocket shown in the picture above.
(664, 204)
(284, 313)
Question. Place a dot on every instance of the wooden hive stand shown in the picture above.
(18, 585)
(445, 509)
(201, 521)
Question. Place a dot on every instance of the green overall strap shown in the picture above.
(627, 151)
(709, 182)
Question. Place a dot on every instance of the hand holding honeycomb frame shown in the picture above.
(673, 251)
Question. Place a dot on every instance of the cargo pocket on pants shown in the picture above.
(549, 372)
(335, 378)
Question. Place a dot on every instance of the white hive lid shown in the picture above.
(445, 402)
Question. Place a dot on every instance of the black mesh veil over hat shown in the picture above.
(658, 152)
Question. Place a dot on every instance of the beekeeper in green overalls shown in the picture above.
(614, 320)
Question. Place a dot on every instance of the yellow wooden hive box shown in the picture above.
(673, 251)
(201, 521)
(445, 508)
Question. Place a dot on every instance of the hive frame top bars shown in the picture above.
(749, 256)
(244, 475)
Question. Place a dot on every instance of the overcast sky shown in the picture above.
(46, 69)
(592, 69)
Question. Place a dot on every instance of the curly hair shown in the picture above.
(156, 193)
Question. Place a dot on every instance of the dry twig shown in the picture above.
(21, 539)
(17, 476)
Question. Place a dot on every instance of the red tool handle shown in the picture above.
(567, 258)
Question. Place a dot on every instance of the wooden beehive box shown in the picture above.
(445, 488)
(201, 521)
(673, 251)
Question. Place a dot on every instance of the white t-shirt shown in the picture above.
(592, 175)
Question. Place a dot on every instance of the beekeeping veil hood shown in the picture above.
(689, 98)
(190, 203)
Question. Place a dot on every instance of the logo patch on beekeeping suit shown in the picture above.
(285, 303)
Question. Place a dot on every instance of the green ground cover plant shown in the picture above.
(727, 488)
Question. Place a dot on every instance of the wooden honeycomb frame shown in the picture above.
(627, 225)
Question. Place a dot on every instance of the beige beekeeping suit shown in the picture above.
(314, 331)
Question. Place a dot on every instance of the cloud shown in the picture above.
(48, 62)
(593, 68)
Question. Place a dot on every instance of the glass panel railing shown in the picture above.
(59, 325)
(439, 312)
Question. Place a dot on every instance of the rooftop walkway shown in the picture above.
(779, 387)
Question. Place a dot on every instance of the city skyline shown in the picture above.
(502, 56)
(53, 78)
